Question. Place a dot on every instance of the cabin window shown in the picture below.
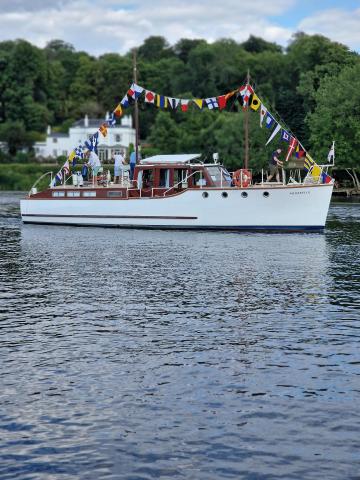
(180, 178)
(58, 194)
(164, 180)
(73, 194)
(89, 194)
(216, 173)
(115, 194)
(199, 179)
(147, 178)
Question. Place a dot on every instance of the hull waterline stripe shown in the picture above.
(257, 228)
(153, 217)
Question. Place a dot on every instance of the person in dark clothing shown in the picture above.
(85, 171)
(274, 165)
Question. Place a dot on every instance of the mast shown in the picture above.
(136, 110)
(246, 128)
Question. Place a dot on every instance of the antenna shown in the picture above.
(136, 110)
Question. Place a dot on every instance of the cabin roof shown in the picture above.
(178, 158)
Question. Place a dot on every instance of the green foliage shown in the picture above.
(336, 117)
(312, 86)
(21, 176)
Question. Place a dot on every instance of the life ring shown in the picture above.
(242, 178)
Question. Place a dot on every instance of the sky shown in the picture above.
(101, 26)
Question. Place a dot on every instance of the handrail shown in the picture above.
(181, 181)
(38, 180)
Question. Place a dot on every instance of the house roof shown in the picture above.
(58, 134)
(93, 123)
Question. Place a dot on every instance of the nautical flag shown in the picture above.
(112, 120)
(325, 178)
(222, 101)
(125, 101)
(103, 129)
(58, 177)
(245, 92)
(211, 103)
(269, 120)
(79, 151)
(198, 102)
(316, 172)
(263, 112)
(255, 102)
(135, 91)
(331, 154)
(300, 152)
(308, 163)
(149, 96)
(173, 102)
(275, 131)
(161, 101)
(291, 149)
(66, 167)
(285, 136)
(72, 155)
(184, 104)
(92, 143)
(118, 111)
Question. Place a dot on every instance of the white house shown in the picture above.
(118, 137)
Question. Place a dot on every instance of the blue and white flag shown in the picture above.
(111, 120)
(211, 103)
(269, 120)
(125, 101)
(285, 136)
(92, 143)
(275, 131)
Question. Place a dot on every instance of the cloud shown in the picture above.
(100, 26)
(337, 24)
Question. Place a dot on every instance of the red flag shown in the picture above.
(184, 105)
(291, 149)
(222, 101)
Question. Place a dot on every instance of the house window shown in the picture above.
(55, 153)
(54, 140)
(64, 152)
(117, 138)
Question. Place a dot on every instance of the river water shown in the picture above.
(130, 354)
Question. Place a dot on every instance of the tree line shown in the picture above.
(312, 85)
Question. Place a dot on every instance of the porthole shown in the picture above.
(266, 194)
(205, 194)
(244, 194)
(224, 194)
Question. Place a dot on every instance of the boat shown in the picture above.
(186, 191)
(181, 192)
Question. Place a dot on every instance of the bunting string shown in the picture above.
(245, 94)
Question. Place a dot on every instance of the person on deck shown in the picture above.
(85, 171)
(133, 162)
(119, 161)
(274, 165)
(95, 164)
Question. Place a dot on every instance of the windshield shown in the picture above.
(219, 176)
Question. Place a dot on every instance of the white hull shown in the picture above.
(290, 207)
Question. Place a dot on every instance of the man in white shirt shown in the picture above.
(119, 161)
(95, 164)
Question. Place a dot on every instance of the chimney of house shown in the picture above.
(86, 121)
(48, 130)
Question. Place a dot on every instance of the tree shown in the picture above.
(258, 45)
(154, 48)
(336, 117)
